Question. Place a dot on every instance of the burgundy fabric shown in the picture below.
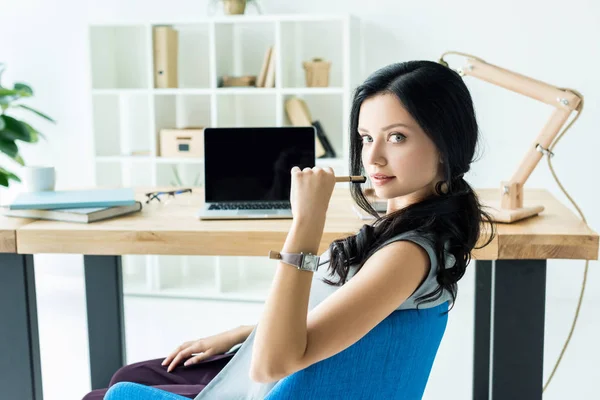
(184, 381)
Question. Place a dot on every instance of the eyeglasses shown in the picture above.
(156, 195)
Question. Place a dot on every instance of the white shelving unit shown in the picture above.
(128, 112)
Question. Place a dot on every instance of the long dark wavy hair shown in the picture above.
(437, 98)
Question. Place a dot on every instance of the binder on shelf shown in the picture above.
(165, 57)
(270, 78)
(298, 114)
(260, 82)
(329, 151)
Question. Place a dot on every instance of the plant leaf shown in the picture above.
(23, 88)
(6, 92)
(39, 113)
(9, 147)
(35, 135)
(15, 130)
(3, 179)
(9, 95)
(9, 175)
(2, 124)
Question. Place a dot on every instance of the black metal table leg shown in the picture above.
(104, 295)
(20, 367)
(483, 301)
(516, 290)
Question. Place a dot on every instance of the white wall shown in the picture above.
(44, 44)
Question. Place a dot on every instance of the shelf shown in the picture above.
(247, 18)
(128, 114)
(118, 92)
(182, 91)
(220, 91)
(178, 160)
(313, 90)
(242, 90)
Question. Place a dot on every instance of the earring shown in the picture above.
(444, 188)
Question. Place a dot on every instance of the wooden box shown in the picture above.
(187, 142)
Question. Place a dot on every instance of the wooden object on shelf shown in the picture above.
(556, 234)
(297, 111)
(262, 76)
(270, 78)
(165, 57)
(317, 72)
(187, 142)
(238, 81)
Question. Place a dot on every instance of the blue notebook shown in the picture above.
(51, 200)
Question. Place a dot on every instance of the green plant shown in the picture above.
(12, 129)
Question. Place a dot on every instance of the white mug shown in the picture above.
(38, 178)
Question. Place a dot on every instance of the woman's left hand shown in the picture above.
(311, 191)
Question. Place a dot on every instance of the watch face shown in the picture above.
(309, 262)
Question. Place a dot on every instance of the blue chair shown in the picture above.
(392, 361)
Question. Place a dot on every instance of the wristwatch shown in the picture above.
(303, 261)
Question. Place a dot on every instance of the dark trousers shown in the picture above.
(184, 381)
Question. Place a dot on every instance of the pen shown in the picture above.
(353, 179)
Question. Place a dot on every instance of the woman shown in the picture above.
(414, 131)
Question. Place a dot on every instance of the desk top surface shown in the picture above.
(173, 228)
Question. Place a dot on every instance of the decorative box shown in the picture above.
(317, 72)
(186, 142)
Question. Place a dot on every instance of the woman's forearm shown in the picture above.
(242, 332)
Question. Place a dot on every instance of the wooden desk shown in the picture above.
(515, 261)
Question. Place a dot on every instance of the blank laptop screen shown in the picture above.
(254, 164)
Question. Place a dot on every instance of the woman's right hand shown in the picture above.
(217, 344)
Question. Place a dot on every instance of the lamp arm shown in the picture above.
(564, 101)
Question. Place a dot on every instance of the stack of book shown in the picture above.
(82, 206)
(266, 77)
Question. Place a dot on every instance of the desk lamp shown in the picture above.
(509, 208)
(565, 101)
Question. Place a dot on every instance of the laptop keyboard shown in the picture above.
(285, 205)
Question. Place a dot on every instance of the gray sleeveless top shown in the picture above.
(233, 381)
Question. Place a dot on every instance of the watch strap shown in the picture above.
(296, 259)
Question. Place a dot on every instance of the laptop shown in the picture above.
(247, 171)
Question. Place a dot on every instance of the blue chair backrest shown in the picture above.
(392, 361)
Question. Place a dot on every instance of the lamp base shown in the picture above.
(507, 216)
